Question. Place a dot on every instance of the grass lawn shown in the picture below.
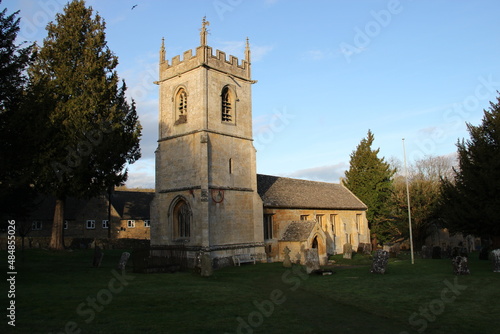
(59, 292)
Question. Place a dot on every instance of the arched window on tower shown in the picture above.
(182, 220)
(227, 106)
(181, 106)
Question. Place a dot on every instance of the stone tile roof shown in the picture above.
(128, 204)
(283, 192)
(132, 204)
(298, 231)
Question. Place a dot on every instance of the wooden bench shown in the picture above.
(243, 258)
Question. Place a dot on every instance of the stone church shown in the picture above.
(208, 196)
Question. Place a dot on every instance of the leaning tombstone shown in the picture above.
(379, 264)
(460, 266)
(123, 260)
(206, 265)
(98, 255)
(436, 252)
(287, 263)
(312, 260)
(347, 251)
(495, 258)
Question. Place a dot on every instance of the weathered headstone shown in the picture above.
(286, 259)
(347, 251)
(484, 253)
(436, 252)
(495, 259)
(367, 248)
(206, 265)
(123, 260)
(98, 255)
(423, 253)
(312, 260)
(460, 266)
(379, 264)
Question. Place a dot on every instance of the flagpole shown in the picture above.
(408, 200)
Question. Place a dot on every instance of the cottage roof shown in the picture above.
(132, 204)
(284, 192)
(128, 205)
(298, 231)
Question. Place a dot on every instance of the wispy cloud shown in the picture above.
(236, 48)
(328, 173)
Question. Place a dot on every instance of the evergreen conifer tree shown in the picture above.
(92, 131)
(16, 141)
(471, 201)
(370, 179)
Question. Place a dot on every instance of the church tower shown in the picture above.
(206, 186)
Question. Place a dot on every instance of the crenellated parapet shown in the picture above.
(204, 56)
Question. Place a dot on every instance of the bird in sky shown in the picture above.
(133, 7)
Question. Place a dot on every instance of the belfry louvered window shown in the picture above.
(227, 106)
(181, 106)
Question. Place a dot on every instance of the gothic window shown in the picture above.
(268, 227)
(182, 220)
(181, 106)
(227, 106)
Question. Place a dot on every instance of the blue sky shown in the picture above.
(327, 71)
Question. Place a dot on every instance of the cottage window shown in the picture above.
(319, 219)
(147, 223)
(227, 105)
(181, 106)
(37, 225)
(304, 217)
(90, 224)
(268, 227)
(105, 223)
(66, 224)
(358, 221)
(130, 223)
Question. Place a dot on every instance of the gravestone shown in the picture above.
(460, 266)
(206, 268)
(484, 253)
(367, 248)
(347, 251)
(286, 260)
(98, 255)
(495, 259)
(123, 260)
(379, 264)
(436, 252)
(364, 248)
(312, 260)
(423, 253)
